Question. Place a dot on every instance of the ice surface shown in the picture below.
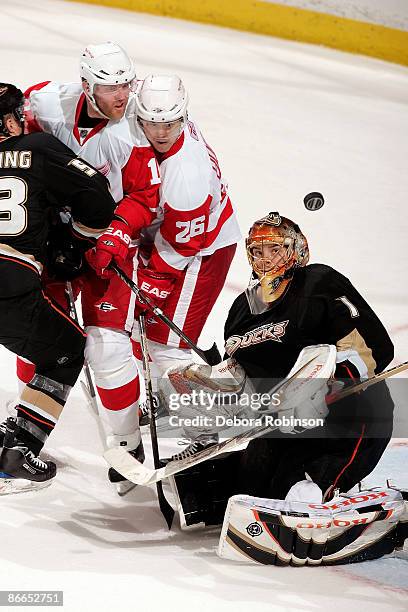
(285, 119)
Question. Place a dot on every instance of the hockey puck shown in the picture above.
(313, 200)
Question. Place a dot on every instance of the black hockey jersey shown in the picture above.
(321, 306)
(38, 171)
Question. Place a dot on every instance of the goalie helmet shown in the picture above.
(162, 99)
(105, 64)
(11, 102)
(275, 248)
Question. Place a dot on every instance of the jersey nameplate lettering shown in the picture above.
(15, 159)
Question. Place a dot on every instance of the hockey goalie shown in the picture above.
(291, 496)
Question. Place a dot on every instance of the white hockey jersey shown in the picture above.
(118, 149)
(195, 213)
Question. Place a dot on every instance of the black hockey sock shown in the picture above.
(34, 428)
(42, 401)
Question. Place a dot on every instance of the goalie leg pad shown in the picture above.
(346, 530)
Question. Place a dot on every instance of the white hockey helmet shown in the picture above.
(105, 64)
(161, 99)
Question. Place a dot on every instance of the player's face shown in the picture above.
(13, 126)
(162, 136)
(269, 256)
(112, 99)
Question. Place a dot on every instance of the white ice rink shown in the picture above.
(285, 119)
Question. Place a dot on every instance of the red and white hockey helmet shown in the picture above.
(105, 64)
(161, 99)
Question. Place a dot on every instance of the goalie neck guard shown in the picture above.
(275, 248)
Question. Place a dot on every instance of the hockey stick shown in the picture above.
(128, 466)
(165, 507)
(88, 388)
(209, 356)
(367, 383)
(136, 472)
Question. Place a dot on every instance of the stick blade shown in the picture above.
(129, 467)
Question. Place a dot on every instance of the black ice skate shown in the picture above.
(195, 446)
(20, 468)
(2, 432)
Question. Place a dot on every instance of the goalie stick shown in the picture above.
(142, 475)
(165, 507)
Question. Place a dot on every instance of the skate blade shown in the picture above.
(11, 406)
(12, 486)
(124, 487)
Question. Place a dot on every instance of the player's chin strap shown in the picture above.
(348, 529)
(211, 356)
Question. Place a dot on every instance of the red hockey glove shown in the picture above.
(113, 244)
(156, 286)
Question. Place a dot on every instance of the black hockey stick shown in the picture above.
(361, 386)
(212, 356)
(165, 507)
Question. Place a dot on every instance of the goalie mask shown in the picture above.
(11, 103)
(275, 248)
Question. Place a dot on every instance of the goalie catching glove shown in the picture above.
(112, 245)
(211, 388)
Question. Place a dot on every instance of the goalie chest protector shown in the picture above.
(321, 306)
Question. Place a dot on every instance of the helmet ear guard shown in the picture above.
(283, 248)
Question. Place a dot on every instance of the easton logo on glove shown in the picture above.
(119, 234)
(112, 245)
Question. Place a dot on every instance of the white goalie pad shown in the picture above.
(303, 400)
(345, 530)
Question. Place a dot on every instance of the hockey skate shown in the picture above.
(2, 432)
(194, 447)
(123, 486)
(20, 469)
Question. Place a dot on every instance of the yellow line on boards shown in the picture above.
(282, 21)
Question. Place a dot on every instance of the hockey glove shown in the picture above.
(157, 286)
(303, 405)
(112, 245)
